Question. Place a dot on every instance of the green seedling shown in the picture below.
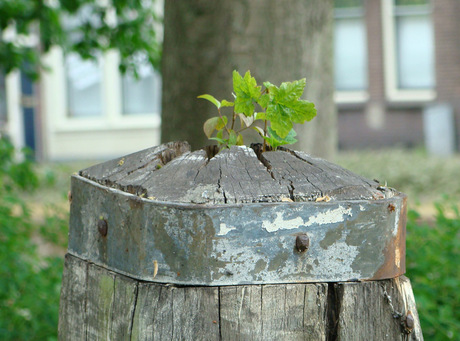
(277, 108)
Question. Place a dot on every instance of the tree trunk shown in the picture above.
(206, 40)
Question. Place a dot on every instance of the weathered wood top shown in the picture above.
(171, 172)
(169, 215)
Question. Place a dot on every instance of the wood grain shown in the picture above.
(98, 304)
(171, 172)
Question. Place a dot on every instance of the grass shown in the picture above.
(425, 179)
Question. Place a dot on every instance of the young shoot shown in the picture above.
(276, 108)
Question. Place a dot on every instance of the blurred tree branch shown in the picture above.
(87, 27)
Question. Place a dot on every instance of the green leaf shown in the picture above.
(221, 122)
(221, 141)
(214, 123)
(239, 140)
(227, 103)
(289, 139)
(211, 99)
(285, 107)
(260, 116)
(268, 85)
(275, 141)
(264, 100)
(232, 138)
(246, 91)
(209, 126)
(280, 119)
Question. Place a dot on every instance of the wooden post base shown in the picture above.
(99, 304)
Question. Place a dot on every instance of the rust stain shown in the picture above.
(395, 251)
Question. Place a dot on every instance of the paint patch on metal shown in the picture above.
(224, 229)
(281, 224)
(332, 216)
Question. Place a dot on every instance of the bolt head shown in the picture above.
(102, 227)
(409, 322)
(302, 243)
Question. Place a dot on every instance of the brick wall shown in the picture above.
(446, 18)
(402, 124)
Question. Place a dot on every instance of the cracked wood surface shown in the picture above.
(171, 172)
(99, 304)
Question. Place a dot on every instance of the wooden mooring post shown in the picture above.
(169, 244)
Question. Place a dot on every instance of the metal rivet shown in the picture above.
(408, 323)
(302, 243)
(102, 227)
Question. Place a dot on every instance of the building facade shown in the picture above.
(397, 75)
(400, 82)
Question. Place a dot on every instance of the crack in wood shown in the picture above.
(219, 186)
(291, 190)
(219, 312)
(238, 174)
(334, 300)
(133, 314)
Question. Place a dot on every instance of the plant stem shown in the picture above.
(265, 134)
(226, 128)
(233, 118)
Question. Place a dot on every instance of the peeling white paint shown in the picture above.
(398, 257)
(332, 216)
(280, 224)
(223, 230)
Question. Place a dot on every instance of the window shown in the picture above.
(142, 95)
(414, 45)
(350, 48)
(409, 50)
(83, 87)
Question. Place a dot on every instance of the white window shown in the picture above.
(414, 46)
(409, 50)
(84, 86)
(142, 95)
(93, 112)
(350, 51)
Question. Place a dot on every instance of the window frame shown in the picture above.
(111, 118)
(393, 92)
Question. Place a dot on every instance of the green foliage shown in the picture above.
(125, 25)
(433, 253)
(281, 107)
(29, 285)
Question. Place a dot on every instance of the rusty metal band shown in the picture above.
(259, 243)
